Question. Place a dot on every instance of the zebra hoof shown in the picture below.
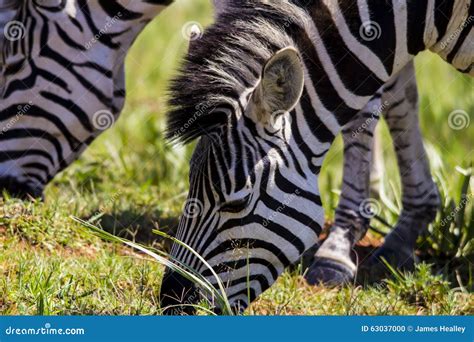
(329, 273)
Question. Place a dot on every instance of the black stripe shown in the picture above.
(68, 40)
(35, 111)
(230, 245)
(316, 126)
(22, 133)
(416, 23)
(236, 264)
(14, 155)
(71, 107)
(116, 10)
(384, 46)
(260, 278)
(443, 13)
(324, 88)
(461, 39)
(354, 73)
(246, 292)
(286, 186)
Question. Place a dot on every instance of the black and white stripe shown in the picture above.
(254, 205)
(61, 81)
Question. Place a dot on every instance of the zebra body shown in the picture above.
(284, 81)
(61, 82)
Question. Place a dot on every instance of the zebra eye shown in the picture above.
(236, 206)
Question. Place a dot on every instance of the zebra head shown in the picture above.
(61, 81)
(254, 205)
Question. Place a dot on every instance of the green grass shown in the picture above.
(131, 182)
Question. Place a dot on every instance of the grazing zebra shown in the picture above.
(61, 81)
(266, 89)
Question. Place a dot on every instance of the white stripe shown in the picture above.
(351, 100)
(402, 57)
(363, 10)
(431, 32)
(326, 116)
(366, 56)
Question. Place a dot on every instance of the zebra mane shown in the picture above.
(224, 62)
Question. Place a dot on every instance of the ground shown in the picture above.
(130, 182)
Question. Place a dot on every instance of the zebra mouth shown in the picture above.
(178, 295)
(18, 189)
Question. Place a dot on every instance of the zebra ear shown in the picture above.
(282, 83)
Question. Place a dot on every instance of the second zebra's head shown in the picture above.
(254, 205)
(61, 81)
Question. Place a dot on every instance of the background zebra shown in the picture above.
(285, 79)
(62, 81)
(398, 103)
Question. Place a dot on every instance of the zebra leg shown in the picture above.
(333, 264)
(420, 195)
(377, 169)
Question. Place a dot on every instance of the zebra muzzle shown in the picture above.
(178, 295)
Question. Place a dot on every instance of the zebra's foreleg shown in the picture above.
(333, 264)
(420, 195)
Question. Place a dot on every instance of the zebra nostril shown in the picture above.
(19, 189)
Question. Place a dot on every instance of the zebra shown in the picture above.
(61, 81)
(266, 90)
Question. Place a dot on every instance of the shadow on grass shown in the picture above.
(138, 227)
